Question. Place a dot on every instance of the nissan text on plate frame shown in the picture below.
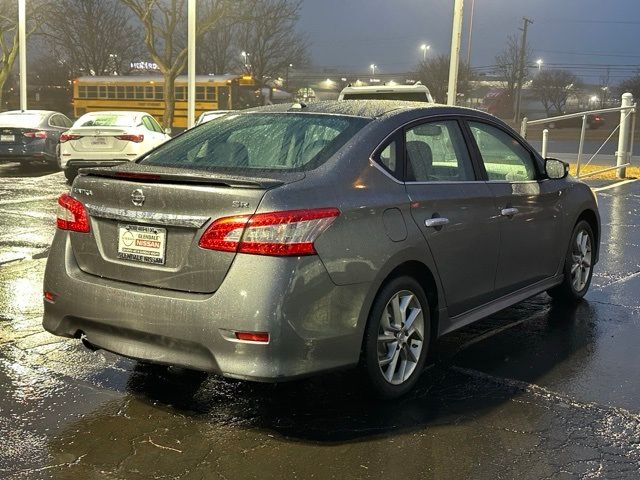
(290, 240)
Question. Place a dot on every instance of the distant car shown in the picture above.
(295, 239)
(211, 115)
(593, 122)
(30, 136)
(108, 138)
(409, 93)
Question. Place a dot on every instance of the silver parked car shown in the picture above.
(293, 239)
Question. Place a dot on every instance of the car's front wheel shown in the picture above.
(397, 337)
(578, 265)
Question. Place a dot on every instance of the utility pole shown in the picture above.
(523, 51)
(456, 37)
(191, 60)
(22, 46)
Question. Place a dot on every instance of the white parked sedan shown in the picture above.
(108, 138)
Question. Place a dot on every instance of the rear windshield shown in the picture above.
(402, 96)
(105, 120)
(255, 141)
(21, 119)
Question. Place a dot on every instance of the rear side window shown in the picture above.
(250, 142)
(437, 152)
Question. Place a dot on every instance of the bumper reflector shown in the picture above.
(49, 297)
(258, 337)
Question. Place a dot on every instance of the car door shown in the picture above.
(455, 211)
(528, 204)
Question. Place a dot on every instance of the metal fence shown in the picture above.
(625, 129)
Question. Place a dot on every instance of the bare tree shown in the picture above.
(95, 37)
(165, 30)
(215, 51)
(508, 63)
(434, 73)
(267, 33)
(553, 88)
(9, 45)
(605, 87)
(631, 85)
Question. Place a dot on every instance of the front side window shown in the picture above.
(505, 159)
(245, 143)
(437, 152)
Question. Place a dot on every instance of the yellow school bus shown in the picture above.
(146, 93)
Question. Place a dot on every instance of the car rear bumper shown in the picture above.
(25, 153)
(313, 324)
(76, 164)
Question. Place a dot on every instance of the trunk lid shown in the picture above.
(16, 136)
(99, 139)
(177, 207)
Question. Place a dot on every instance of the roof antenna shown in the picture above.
(298, 106)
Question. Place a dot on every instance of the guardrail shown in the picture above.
(625, 128)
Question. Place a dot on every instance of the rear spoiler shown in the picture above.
(181, 176)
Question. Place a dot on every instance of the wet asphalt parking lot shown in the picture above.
(538, 391)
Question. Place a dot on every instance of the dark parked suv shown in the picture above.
(294, 239)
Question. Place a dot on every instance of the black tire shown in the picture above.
(70, 174)
(567, 291)
(403, 347)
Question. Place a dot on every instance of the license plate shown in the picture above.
(142, 244)
(98, 141)
(7, 138)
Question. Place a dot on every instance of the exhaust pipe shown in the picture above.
(87, 343)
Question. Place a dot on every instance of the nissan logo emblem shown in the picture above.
(137, 197)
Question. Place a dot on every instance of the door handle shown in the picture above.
(436, 222)
(508, 212)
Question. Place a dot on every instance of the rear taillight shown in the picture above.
(131, 138)
(289, 233)
(39, 134)
(65, 137)
(72, 214)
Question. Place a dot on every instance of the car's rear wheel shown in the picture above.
(578, 265)
(397, 337)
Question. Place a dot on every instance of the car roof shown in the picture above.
(118, 112)
(29, 112)
(369, 108)
(417, 87)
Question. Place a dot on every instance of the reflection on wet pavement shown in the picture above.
(536, 391)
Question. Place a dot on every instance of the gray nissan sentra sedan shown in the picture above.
(294, 239)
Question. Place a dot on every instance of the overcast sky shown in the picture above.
(356, 33)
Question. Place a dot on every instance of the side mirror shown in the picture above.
(556, 169)
(167, 131)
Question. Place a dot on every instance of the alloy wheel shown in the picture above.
(400, 337)
(581, 260)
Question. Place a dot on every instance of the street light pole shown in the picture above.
(191, 68)
(22, 45)
(473, 7)
(456, 37)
